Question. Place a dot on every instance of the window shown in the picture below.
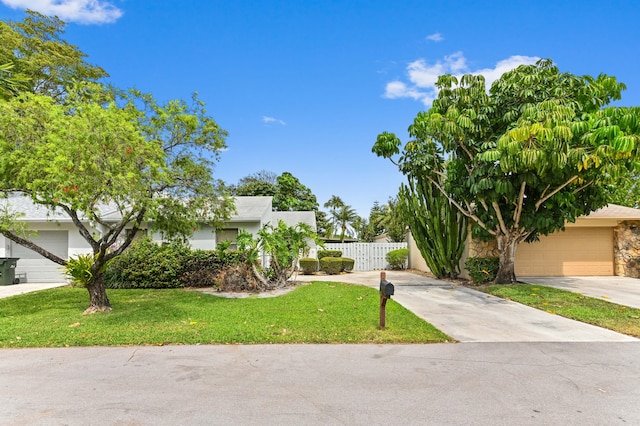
(230, 235)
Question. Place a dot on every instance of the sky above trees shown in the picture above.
(305, 87)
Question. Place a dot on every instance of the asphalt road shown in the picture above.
(441, 384)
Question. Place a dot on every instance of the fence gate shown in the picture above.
(368, 256)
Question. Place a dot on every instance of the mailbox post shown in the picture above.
(386, 291)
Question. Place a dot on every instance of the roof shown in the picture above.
(614, 211)
(248, 209)
(251, 209)
(294, 218)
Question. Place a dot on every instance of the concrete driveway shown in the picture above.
(620, 290)
(468, 315)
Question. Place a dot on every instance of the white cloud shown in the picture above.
(269, 120)
(82, 11)
(423, 76)
(437, 37)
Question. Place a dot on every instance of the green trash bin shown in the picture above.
(8, 270)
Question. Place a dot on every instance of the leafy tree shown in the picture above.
(323, 224)
(345, 218)
(627, 192)
(10, 85)
(536, 151)
(41, 60)
(262, 183)
(147, 162)
(377, 219)
(284, 245)
(292, 195)
(287, 191)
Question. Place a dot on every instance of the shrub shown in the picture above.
(78, 269)
(347, 264)
(146, 264)
(329, 253)
(331, 265)
(308, 265)
(202, 268)
(482, 269)
(398, 258)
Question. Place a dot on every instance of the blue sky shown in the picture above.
(306, 86)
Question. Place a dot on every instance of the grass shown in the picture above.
(321, 312)
(572, 305)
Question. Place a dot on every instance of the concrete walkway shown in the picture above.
(471, 316)
(15, 289)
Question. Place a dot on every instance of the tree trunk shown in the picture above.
(507, 245)
(98, 300)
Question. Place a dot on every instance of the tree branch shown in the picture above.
(518, 211)
(462, 209)
(81, 228)
(503, 226)
(554, 192)
(32, 246)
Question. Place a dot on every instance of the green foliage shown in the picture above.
(283, 244)
(398, 258)
(540, 149)
(329, 253)
(331, 265)
(146, 264)
(42, 62)
(78, 269)
(388, 219)
(308, 265)
(439, 230)
(482, 269)
(292, 195)
(347, 264)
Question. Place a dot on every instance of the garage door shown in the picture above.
(576, 251)
(36, 267)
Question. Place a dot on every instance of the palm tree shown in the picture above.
(344, 217)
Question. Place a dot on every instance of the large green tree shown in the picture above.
(144, 162)
(41, 60)
(538, 150)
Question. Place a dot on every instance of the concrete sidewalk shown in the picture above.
(468, 315)
(15, 289)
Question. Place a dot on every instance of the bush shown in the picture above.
(398, 258)
(202, 268)
(331, 265)
(329, 253)
(482, 269)
(308, 265)
(347, 264)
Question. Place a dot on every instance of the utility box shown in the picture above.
(8, 270)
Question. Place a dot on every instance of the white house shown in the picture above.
(57, 233)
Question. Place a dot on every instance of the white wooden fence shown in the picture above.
(368, 256)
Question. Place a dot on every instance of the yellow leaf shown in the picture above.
(75, 324)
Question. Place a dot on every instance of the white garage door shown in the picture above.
(36, 267)
(576, 251)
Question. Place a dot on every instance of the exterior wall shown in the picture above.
(77, 244)
(476, 248)
(626, 242)
(416, 261)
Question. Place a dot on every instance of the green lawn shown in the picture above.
(572, 305)
(321, 312)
